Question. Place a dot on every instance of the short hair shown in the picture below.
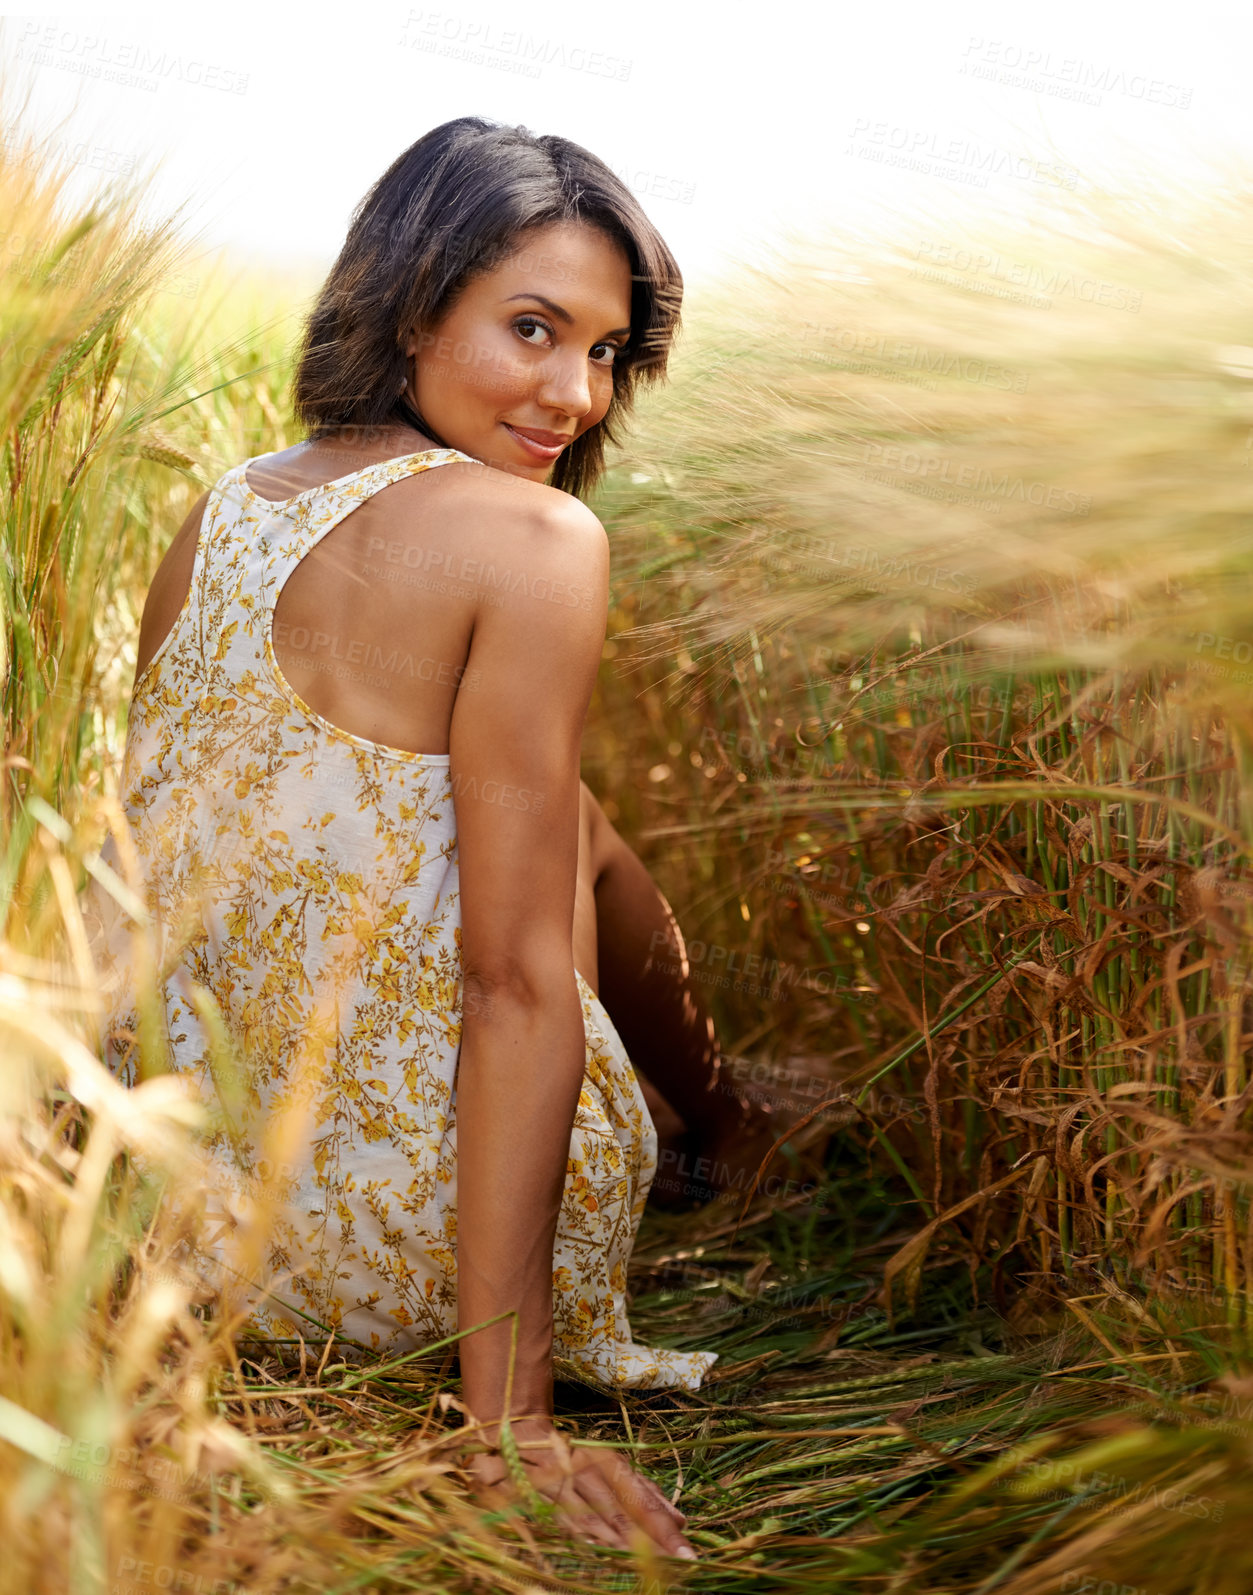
(455, 205)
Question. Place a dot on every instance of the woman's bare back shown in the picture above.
(372, 629)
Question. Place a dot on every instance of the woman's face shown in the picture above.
(529, 345)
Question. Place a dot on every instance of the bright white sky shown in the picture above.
(733, 123)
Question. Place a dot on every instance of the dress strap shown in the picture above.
(303, 520)
(359, 485)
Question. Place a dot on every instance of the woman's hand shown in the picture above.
(597, 1493)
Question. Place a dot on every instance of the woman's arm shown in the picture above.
(514, 762)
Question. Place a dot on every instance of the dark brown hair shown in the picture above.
(454, 205)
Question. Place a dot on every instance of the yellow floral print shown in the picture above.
(307, 879)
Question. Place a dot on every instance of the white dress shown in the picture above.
(307, 880)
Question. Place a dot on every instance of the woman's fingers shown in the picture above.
(622, 1502)
(597, 1493)
(498, 1490)
(583, 1516)
(649, 1488)
(662, 1499)
(596, 1489)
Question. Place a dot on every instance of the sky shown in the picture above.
(739, 127)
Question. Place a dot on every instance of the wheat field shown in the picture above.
(926, 699)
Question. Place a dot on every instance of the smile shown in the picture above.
(538, 451)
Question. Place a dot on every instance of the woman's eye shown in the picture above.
(525, 322)
(530, 321)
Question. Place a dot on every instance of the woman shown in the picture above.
(352, 769)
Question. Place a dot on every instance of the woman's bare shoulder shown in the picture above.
(501, 533)
(489, 499)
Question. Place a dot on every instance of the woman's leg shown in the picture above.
(646, 986)
(593, 858)
(645, 980)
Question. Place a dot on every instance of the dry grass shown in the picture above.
(981, 770)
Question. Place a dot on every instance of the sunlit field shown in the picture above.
(927, 701)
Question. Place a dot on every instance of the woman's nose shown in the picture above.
(564, 386)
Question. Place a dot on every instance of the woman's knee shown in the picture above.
(589, 862)
(604, 843)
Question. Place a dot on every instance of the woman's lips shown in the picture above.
(538, 451)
